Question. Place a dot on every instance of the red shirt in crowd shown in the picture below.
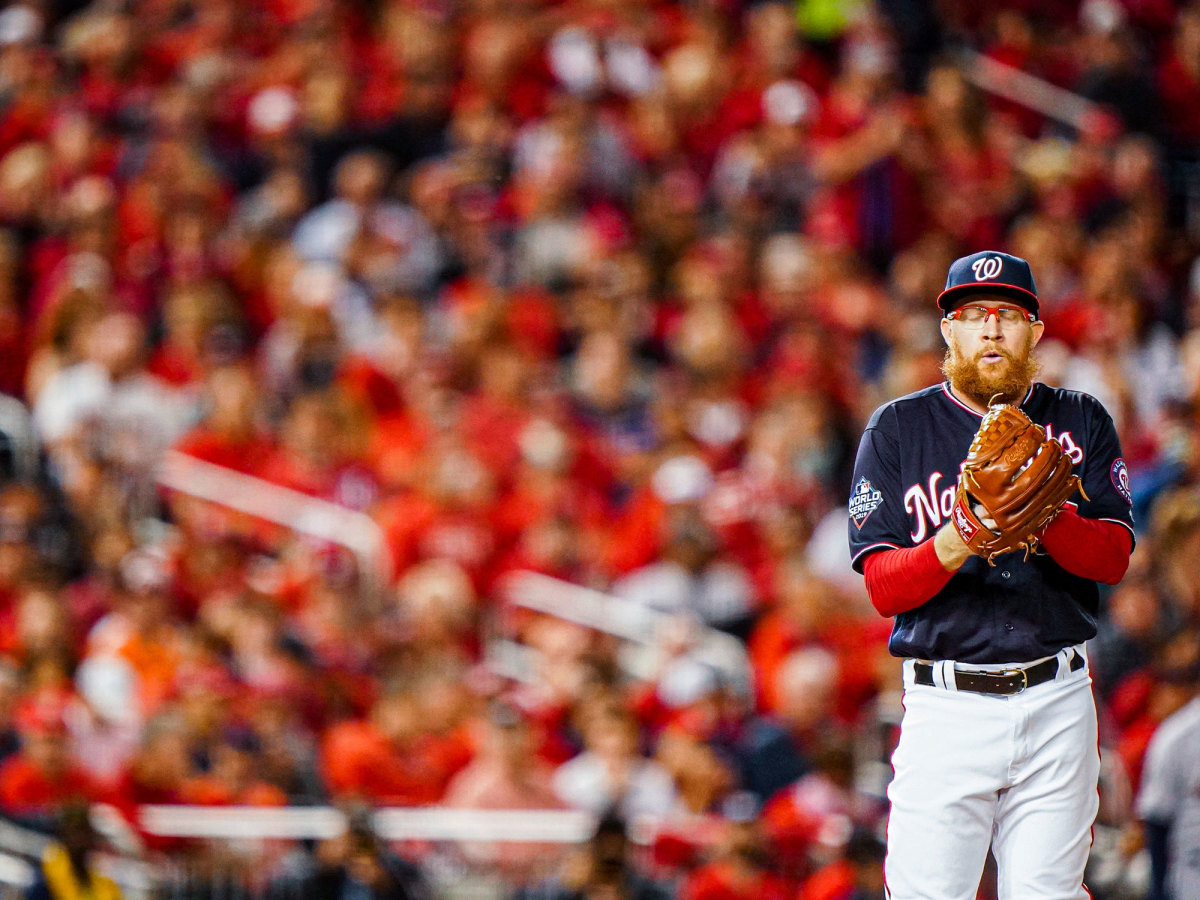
(725, 881)
(28, 789)
(358, 760)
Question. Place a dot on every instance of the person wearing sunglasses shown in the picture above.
(998, 743)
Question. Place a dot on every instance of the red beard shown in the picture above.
(1006, 382)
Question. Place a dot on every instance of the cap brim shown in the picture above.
(952, 297)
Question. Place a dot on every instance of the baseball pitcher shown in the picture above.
(983, 513)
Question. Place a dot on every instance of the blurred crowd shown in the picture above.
(599, 289)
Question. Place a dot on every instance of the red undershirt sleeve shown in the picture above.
(903, 579)
(1089, 548)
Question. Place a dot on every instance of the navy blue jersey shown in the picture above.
(903, 490)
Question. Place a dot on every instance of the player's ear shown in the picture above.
(1038, 328)
(945, 326)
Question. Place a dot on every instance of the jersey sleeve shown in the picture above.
(1105, 475)
(877, 519)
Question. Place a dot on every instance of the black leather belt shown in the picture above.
(1001, 681)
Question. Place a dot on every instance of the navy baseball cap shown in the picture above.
(989, 272)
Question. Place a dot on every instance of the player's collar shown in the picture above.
(950, 395)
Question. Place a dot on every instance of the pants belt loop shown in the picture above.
(943, 675)
(938, 673)
(1064, 663)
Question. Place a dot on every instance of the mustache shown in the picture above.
(1007, 354)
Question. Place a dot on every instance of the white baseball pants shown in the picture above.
(1016, 773)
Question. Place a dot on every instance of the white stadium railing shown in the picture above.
(1027, 90)
(262, 499)
(247, 827)
(638, 626)
(15, 872)
(430, 823)
(243, 822)
(542, 826)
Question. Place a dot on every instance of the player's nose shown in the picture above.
(991, 329)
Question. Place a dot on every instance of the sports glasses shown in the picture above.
(974, 316)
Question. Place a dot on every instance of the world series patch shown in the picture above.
(863, 501)
(1119, 473)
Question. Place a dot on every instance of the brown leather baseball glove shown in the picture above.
(1014, 477)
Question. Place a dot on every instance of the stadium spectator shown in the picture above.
(38, 780)
(742, 868)
(611, 772)
(387, 757)
(603, 867)
(69, 868)
(359, 864)
(506, 774)
(776, 750)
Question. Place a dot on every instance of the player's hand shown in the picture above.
(984, 519)
(952, 551)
